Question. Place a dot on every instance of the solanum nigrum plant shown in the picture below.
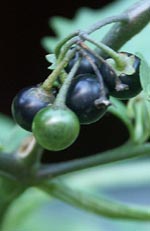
(88, 86)
(83, 92)
(131, 80)
(28, 102)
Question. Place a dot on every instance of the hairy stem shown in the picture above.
(120, 33)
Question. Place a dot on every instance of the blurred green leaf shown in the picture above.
(119, 174)
(85, 17)
(118, 109)
(35, 211)
(145, 76)
(6, 124)
(11, 135)
(23, 208)
(15, 138)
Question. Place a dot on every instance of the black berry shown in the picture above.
(132, 82)
(85, 66)
(83, 92)
(27, 103)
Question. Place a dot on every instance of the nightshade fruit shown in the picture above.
(27, 103)
(132, 81)
(85, 89)
(55, 128)
(85, 66)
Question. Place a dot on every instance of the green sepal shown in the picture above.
(51, 58)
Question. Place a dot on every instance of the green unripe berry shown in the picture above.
(55, 128)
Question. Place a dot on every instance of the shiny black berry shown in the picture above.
(85, 66)
(82, 95)
(131, 82)
(27, 103)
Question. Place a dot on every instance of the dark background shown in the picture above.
(22, 61)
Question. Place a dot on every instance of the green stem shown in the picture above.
(30, 153)
(61, 97)
(126, 151)
(9, 165)
(120, 62)
(120, 33)
(123, 18)
(95, 204)
(103, 98)
(48, 83)
(62, 42)
(120, 18)
(67, 46)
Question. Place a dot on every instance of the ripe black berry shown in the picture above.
(85, 66)
(131, 81)
(27, 103)
(83, 92)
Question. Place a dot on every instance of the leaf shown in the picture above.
(6, 124)
(145, 76)
(139, 43)
(23, 208)
(85, 17)
(11, 144)
(11, 135)
(119, 109)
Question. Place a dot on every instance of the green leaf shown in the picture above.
(85, 17)
(11, 144)
(108, 176)
(6, 124)
(119, 109)
(23, 208)
(145, 76)
(11, 135)
(139, 43)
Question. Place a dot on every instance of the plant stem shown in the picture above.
(67, 46)
(62, 42)
(120, 33)
(9, 165)
(103, 98)
(123, 152)
(109, 51)
(48, 83)
(95, 204)
(61, 97)
(123, 18)
(29, 153)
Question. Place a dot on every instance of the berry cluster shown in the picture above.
(87, 99)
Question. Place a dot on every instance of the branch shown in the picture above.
(123, 152)
(9, 165)
(95, 204)
(120, 33)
